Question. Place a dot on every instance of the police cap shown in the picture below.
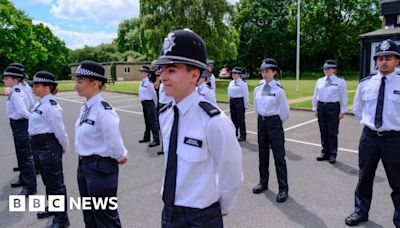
(237, 70)
(43, 77)
(13, 72)
(270, 63)
(329, 64)
(90, 69)
(387, 47)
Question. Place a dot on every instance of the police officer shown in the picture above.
(203, 163)
(329, 105)
(203, 89)
(377, 106)
(98, 143)
(148, 97)
(17, 106)
(238, 93)
(49, 141)
(272, 110)
(212, 84)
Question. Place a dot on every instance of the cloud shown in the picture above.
(47, 2)
(108, 12)
(76, 40)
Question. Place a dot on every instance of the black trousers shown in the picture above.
(150, 120)
(24, 154)
(49, 152)
(373, 148)
(184, 217)
(328, 120)
(270, 132)
(98, 177)
(237, 109)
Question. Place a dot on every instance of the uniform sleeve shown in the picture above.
(213, 86)
(55, 118)
(315, 101)
(153, 92)
(227, 155)
(18, 101)
(358, 103)
(283, 106)
(245, 95)
(343, 97)
(109, 125)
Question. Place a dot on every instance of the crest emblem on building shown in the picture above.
(168, 43)
(385, 45)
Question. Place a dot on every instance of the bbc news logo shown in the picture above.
(56, 203)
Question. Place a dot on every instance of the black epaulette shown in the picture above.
(53, 102)
(279, 85)
(17, 90)
(106, 105)
(209, 108)
(165, 108)
(366, 78)
(259, 84)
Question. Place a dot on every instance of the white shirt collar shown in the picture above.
(186, 102)
(93, 100)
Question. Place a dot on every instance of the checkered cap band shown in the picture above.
(83, 71)
(327, 65)
(12, 74)
(38, 79)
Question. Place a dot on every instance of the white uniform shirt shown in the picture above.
(99, 134)
(212, 171)
(335, 92)
(271, 104)
(47, 117)
(207, 93)
(212, 83)
(366, 98)
(147, 91)
(17, 105)
(164, 99)
(238, 88)
(28, 91)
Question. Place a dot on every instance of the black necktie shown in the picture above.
(171, 170)
(379, 105)
(85, 115)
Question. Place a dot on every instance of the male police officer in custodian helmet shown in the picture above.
(377, 106)
(203, 162)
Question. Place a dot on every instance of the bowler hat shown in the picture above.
(387, 47)
(13, 72)
(145, 69)
(270, 63)
(237, 70)
(329, 64)
(44, 77)
(183, 46)
(90, 69)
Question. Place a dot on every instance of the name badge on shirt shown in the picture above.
(193, 142)
(38, 111)
(396, 92)
(272, 94)
(334, 84)
(90, 122)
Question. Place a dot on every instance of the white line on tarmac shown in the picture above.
(125, 106)
(131, 99)
(309, 143)
(80, 102)
(301, 124)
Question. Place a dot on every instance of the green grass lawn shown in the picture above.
(306, 89)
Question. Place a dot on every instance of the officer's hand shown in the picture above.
(124, 160)
(223, 215)
(341, 116)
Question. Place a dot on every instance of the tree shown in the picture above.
(208, 18)
(128, 38)
(100, 53)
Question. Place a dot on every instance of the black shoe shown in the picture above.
(26, 192)
(241, 139)
(154, 143)
(282, 196)
(160, 152)
(332, 160)
(355, 219)
(59, 224)
(37, 172)
(17, 184)
(44, 214)
(144, 140)
(259, 188)
(322, 158)
(16, 169)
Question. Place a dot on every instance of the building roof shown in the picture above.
(381, 32)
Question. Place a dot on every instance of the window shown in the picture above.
(127, 70)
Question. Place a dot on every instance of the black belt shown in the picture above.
(268, 117)
(22, 119)
(328, 103)
(37, 136)
(236, 98)
(181, 209)
(90, 158)
(383, 133)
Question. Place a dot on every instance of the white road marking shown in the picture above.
(125, 106)
(301, 124)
